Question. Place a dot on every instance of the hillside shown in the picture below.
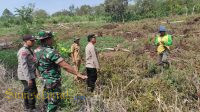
(128, 81)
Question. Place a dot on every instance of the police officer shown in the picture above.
(49, 62)
(26, 72)
(92, 62)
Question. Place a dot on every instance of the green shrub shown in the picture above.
(8, 31)
(24, 29)
(9, 58)
(6, 24)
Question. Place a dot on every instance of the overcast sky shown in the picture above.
(50, 6)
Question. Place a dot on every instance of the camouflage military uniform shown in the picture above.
(47, 65)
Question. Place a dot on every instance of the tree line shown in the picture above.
(115, 10)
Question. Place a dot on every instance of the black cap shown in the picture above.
(28, 37)
(91, 36)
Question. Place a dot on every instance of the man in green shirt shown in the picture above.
(163, 43)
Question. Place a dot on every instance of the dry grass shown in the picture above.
(124, 84)
(8, 84)
(130, 82)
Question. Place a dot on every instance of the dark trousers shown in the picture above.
(92, 77)
(29, 94)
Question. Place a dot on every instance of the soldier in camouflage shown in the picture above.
(49, 62)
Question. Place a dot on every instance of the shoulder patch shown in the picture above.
(49, 53)
(24, 53)
(49, 49)
(37, 50)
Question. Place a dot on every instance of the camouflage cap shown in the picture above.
(44, 35)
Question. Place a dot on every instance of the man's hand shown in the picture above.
(41, 78)
(30, 83)
(82, 76)
(75, 77)
(73, 62)
(71, 69)
(37, 74)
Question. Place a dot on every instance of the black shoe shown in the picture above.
(159, 64)
(90, 89)
(26, 110)
(33, 110)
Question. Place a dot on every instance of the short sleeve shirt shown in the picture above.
(26, 64)
(75, 50)
(47, 63)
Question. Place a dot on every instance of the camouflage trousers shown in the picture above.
(52, 99)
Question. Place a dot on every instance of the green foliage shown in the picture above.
(160, 8)
(72, 10)
(9, 58)
(69, 86)
(89, 25)
(25, 14)
(71, 19)
(108, 42)
(120, 72)
(40, 14)
(61, 13)
(122, 75)
(117, 9)
(84, 10)
(8, 31)
(33, 28)
(7, 18)
(110, 10)
(29, 24)
(102, 43)
(7, 13)
(99, 10)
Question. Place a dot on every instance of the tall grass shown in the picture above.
(69, 19)
(102, 43)
(9, 58)
(8, 31)
(124, 84)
